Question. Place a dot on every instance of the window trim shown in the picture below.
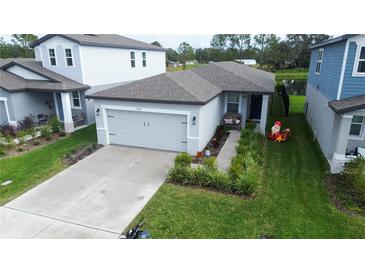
(55, 58)
(361, 135)
(319, 61)
(357, 61)
(72, 57)
(72, 100)
(144, 60)
(239, 101)
(132, 59)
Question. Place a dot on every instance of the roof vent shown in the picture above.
(91, 35)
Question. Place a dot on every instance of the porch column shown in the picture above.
(67, 114)
(56, 105)
(339, 155)
(264, 109)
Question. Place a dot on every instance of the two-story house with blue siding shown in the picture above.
(335, 104)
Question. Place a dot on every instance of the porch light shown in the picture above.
(194, 120)
(98, 112)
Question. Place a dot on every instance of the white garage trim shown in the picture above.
(4, 99)
(104, 109)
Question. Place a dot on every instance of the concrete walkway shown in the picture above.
(228, 150)
(95, 198)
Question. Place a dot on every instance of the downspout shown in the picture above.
(344, 62)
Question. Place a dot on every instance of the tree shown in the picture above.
(262, 43)
(172, 55)
(186, 53)
(300, 46)
(240, 42)
(220, 41)
(23, 42)
(156, 43)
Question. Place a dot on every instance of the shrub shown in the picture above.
(27, 123)
(183, 159)
(45, 133)
(55, 124)
(210, 163)
(8, 130)
(20, 149)
(2, 151)
(199, 176)
(62, 134)
(180, 175)
(354, 173)
(250, 125)
(220, 180)
(36, 143)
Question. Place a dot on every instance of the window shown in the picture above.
(144, 61)
(356, 125)
(52, 57)
(133, 59)
(319, 61)
(69, 60)
(76, 99)
(233, 100)
(361, 61)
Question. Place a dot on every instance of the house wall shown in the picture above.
(353, 85)
(210, 116)
(26, 74)
(322, 120)
(327, 81)
(192, 110)
(355, 142)
(110, 65)
(59, 44)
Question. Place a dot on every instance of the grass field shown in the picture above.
(171, 69)
(32, 168)
(293, 203)
(296, 103)
(301, 74)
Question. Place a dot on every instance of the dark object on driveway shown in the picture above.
(136, 232)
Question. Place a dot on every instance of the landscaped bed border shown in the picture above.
(243, 178)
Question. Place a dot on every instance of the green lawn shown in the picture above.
(300, 74)
(296, 103)
(32, 168)
(171, 69)
(293, 203)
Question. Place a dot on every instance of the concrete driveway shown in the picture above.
(95, 198)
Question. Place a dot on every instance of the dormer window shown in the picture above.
(144, 59)
(319, 61)
(133, 59)
(69, 59)
(361, 61)
(52, 57)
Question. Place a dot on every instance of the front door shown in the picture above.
(255, 107)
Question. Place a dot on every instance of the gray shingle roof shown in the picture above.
(102, 40)
(57, 82)
(334, 40)
(348, 104)
(196, 86)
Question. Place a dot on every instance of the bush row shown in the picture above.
(354, 174)
(244, 176)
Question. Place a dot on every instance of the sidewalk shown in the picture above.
(228, 150)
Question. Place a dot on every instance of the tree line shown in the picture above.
(18, 47)
(269, 50)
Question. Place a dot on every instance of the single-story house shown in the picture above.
(179, 111)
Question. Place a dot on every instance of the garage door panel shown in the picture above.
(151, 130)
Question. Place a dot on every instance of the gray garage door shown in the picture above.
(3, 114)
(150, 130)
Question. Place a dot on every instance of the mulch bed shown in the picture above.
(342, 197)
(20, 149)
(79, 154)
(214, 146)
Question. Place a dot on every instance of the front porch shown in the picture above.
(242, 107)
(70, 109)
(350, 142)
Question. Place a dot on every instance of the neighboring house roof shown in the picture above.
(334, 40)
(348, 104)
(196, 86)
(102, 40)
(12, 82)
